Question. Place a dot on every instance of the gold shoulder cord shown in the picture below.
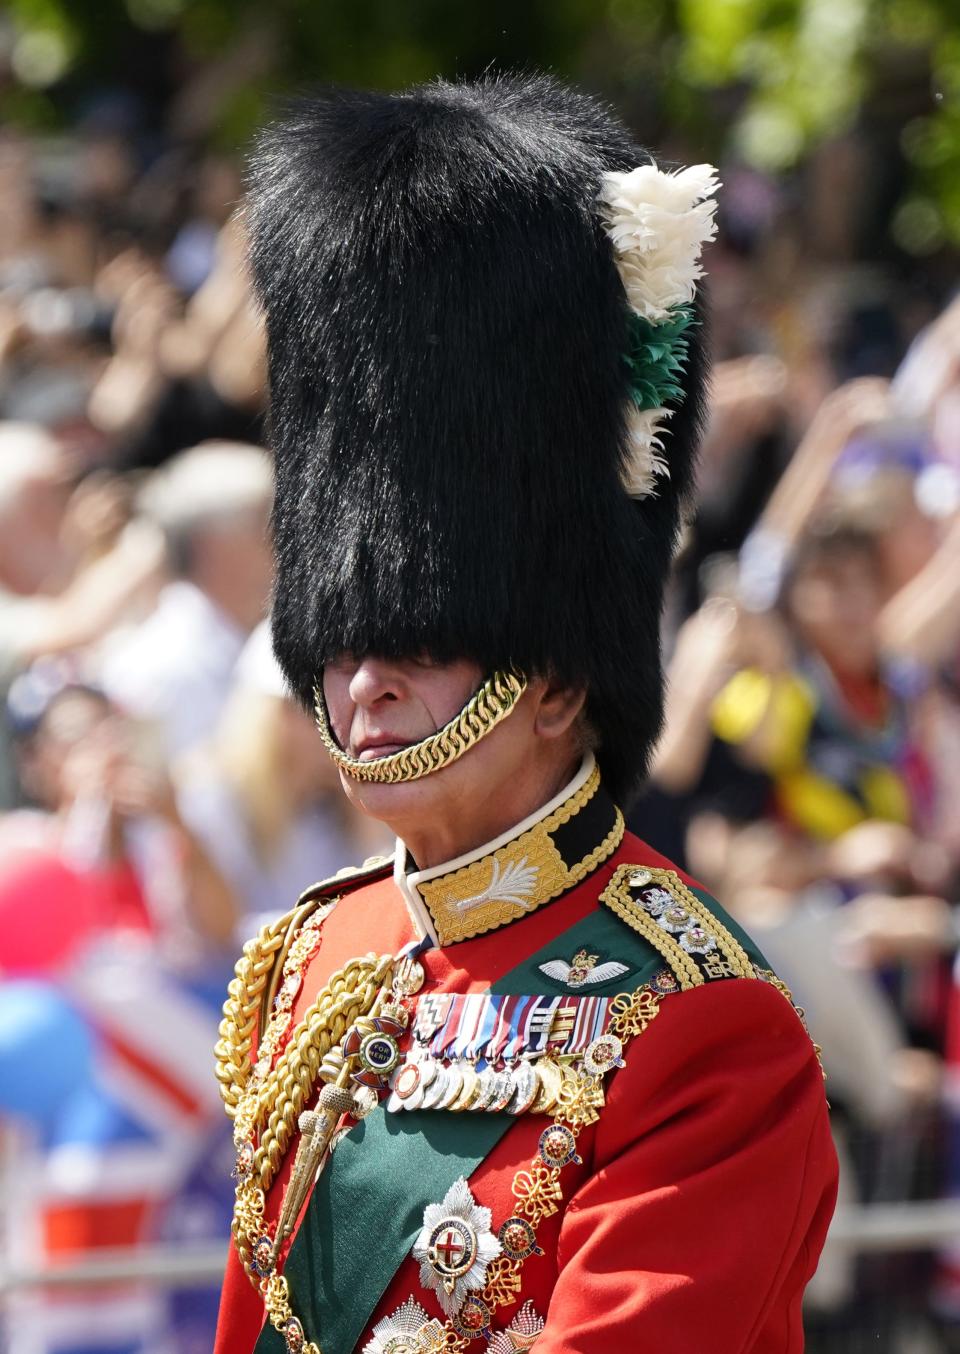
(274, 1102)
(495, 700)
(241, 1010)
(269, 1102)
(315, 896)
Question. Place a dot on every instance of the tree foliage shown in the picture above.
(766, 79)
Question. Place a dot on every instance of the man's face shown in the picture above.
(378, 706)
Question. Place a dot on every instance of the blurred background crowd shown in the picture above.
(158, 792)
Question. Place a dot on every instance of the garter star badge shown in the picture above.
(520, 1334)
(409, 1330)
(455, 1246)
(583, 970)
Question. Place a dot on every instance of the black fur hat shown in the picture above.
(447, 331)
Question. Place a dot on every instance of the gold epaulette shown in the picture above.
(688, 935)
(344, 881)
(691, 937)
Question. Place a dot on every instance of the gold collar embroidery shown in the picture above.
(515, 874)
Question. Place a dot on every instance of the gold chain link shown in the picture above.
(495, 700)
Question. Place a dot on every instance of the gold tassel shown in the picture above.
(316, 1129)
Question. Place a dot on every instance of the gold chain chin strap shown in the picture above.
(495, 700)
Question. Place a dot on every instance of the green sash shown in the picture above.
(366, 1210)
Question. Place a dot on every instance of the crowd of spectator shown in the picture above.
(159, 794)
(808, 773)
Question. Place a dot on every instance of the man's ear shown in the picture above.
(558, 708)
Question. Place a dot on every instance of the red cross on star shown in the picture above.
(452, 1245)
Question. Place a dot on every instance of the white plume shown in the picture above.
(644, 447)
(658, 223)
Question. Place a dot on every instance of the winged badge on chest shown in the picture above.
(584, 970)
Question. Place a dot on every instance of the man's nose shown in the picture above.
(375, 679)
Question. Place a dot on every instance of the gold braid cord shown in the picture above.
(286, 1091)
(266, 1105)
(300, 914)
(495, 700)
(241, 1011)
(349, 995)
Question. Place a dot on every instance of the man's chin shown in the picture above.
(391, 803)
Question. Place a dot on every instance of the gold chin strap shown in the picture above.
(495, 700)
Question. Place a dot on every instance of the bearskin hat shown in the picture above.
(448, 395)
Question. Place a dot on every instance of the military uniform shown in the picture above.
(674, 1219)
(546, 1094)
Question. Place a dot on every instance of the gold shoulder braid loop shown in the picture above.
(308, 913)
(495, 700)
(272, 1108)
(242, 1009)
(358, 1015)
(265, 1100)
(369, 1052)
(280, 949)
(349, 995)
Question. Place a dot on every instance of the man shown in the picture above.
(524, 1082)
(212, 503)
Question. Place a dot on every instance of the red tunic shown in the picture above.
(707, 1184)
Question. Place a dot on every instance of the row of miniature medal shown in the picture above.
(481, 1051)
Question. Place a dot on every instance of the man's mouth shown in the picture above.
(382, 745)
